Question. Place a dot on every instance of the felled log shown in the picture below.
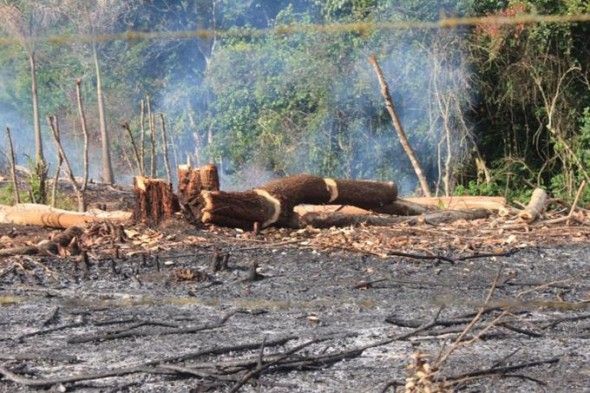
(535, 207)
(327, 220)
(273, 203)
(461, 202)
(43, 215)
(154, 201)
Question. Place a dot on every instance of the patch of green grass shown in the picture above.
(62, 201)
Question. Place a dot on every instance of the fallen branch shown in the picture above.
(145, 367)
(125, 333)
(498, 370)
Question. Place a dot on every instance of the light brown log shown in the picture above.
(461, 202)
(43, 215)
(154, 201)
(535, 207)
(327, 220)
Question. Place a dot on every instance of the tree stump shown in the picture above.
(191, 181)
(154, 201)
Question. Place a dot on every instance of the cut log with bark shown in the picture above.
(191, 181)
(43, 215)
(154, 201)
(273, 203)
(535, 207)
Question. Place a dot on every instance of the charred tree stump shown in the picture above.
(154, 201)
(273, 203)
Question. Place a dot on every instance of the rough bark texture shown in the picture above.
(191, 181)
(154, 201)
(273, 203)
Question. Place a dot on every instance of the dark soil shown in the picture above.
(61, 318)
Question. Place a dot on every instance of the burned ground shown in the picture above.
(152, 314)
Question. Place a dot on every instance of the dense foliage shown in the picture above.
(259, 99)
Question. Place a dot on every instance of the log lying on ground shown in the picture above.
(461, 202)
(327, 220)
(43, 215)
(154, 201)
(535, 207)
(273, 203)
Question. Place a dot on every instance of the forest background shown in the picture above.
(268, 88)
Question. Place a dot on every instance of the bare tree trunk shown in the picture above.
(152, 138)
(165, 142)
(54, 126)
(56, 180)
(196, 136)
(82, 115)
(133, 146)
(12, 165)
(107, 167)
(40, 165)
(399, 129)
(142, 137)
(39, 157)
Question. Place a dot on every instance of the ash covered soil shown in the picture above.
(303, 321)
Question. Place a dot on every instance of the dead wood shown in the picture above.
(56, 180)
(12, 158)
(62, 241)
(128, 332)
(142, 137)
(152, 130)
(82, 116)
(191, 181)
(46, 216)
(397, 125)
(54, 126)
(154, 201)
(136, 155)
(165, 147)
(464, 202)
(535, 207)
(403, 207)
(499, 370)
(273, 203)
(340, 220)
